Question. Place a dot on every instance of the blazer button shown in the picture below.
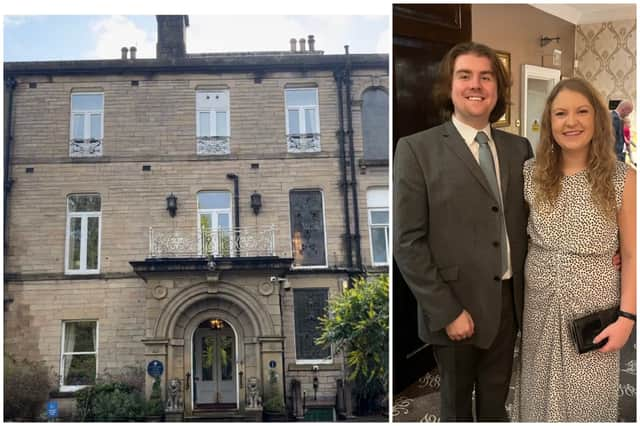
(495, 243)
(495, 209)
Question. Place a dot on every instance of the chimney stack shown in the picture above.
(312, 42)
(302, 45)
(133, 51)
(172, 31)
(293, 42)
(124, 53)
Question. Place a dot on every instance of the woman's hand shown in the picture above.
(618, 333)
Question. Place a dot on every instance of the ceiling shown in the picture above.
(581, 13)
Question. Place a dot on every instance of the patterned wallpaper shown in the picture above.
(606, 54)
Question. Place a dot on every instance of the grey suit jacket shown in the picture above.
(446, 226)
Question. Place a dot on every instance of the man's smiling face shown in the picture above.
(474, 91)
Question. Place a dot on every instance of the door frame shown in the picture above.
(236, 362)
(538, 73)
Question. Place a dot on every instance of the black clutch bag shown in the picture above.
(585, 329)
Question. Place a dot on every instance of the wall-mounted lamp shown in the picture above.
(544, 40)
(216, 323)
(172, 205)
(256, 202)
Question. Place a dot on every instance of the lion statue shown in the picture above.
(174, 399)
(253, 397)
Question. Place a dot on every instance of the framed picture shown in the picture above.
(505, 58)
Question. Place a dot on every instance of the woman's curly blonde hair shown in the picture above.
(601, 162)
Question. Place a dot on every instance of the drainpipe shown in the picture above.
(281, 301)
(356, 214)
(236, 209)
(338, 75)
(10, 84)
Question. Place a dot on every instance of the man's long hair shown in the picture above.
(442, 90)
(601, 162)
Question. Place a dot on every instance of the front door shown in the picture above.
(214, 364)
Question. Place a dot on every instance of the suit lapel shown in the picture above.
(503, 159)
(455, 142)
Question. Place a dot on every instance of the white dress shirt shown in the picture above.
(469, 133)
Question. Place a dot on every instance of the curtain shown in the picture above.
(69, 345)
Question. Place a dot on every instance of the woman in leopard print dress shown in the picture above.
(582, 210)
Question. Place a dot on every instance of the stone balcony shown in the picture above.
(210, 250)
(220, 242)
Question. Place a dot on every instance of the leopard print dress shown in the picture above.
(568, 273)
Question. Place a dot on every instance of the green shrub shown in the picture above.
(120, 403)
(357, 323)
(107, 402)
(154, 406)
(273, 396)
(27, 385)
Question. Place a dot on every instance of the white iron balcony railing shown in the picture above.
(303, 142)
(91, 147)
(220, 242)
(213, 145)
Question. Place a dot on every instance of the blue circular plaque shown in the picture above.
(272, 364)
(155, 368)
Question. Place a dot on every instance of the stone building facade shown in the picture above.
(196, 210)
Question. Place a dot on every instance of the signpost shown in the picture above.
(52, 410)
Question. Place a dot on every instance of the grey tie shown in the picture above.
(488, 168)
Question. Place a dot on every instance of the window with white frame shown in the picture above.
(212, 122)
(214, 223)
(79, 355)
(87, 122)
(309, 305)
(83, 234)
(308, 243)
(303, 120)
(378, 209)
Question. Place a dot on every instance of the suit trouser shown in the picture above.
(464, 366)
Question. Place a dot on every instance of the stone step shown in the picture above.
(224, 416)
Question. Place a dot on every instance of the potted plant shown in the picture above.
(155, 407)
(273, 403)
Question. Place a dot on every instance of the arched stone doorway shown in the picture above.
(251, 338)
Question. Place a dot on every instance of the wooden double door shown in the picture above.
(214, 374)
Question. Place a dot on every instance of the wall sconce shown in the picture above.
(544, 40)
(172, 205)
(256, 202)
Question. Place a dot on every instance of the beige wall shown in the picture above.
(160, 114)
(607, 54)
(517, 28)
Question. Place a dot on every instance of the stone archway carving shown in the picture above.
(181, 302)
(181, 315)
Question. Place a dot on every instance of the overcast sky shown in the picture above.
(48, 37)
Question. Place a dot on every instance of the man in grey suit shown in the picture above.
(460, 233)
